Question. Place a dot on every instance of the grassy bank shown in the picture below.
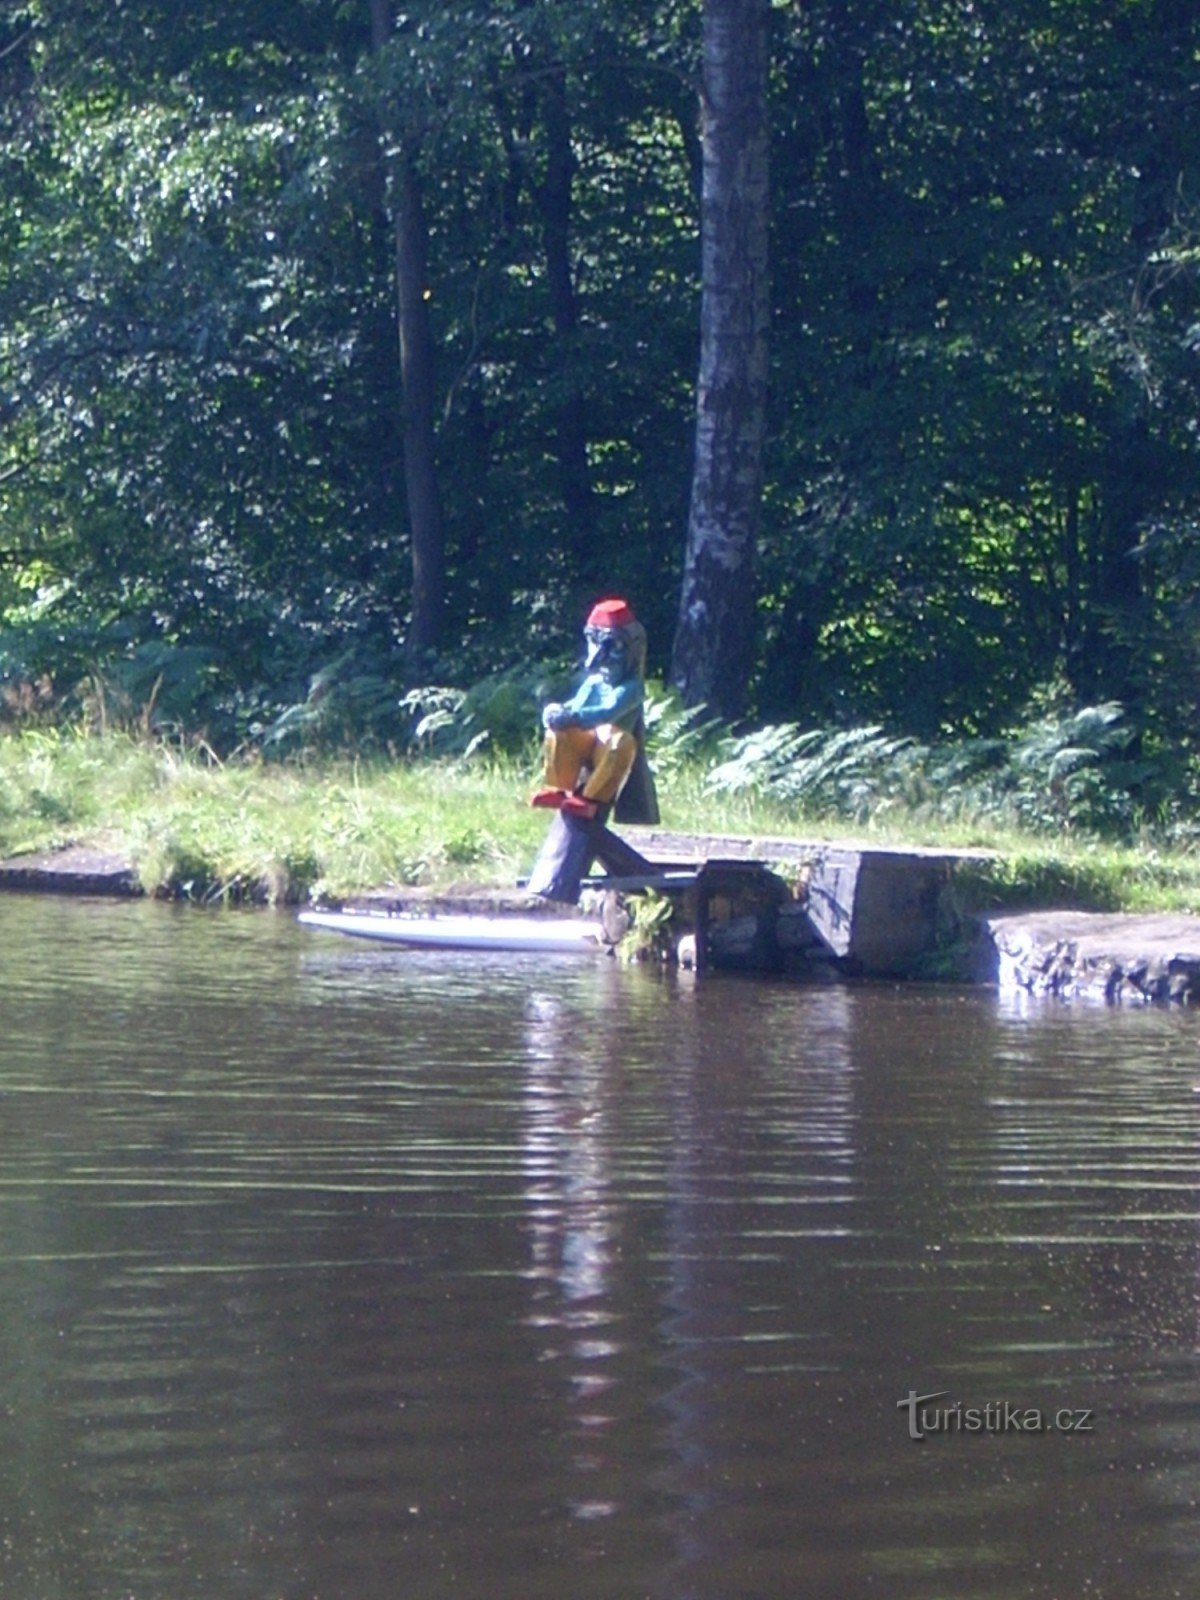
(310, 826)
(279, 831)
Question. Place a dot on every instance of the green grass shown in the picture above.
(283, 831)
(293, 830)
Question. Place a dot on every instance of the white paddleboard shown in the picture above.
(462, 932)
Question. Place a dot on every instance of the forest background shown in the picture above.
(225, 229)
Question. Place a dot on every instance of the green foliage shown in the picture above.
(680, 736)
(292, 830)
(1024, 880)
(351, 701)
(1069, 771)
(150, 686)
(500, 715)
(651, 929)
(841, 773)
(1064, 771)
(1073, 771)
(982, 472)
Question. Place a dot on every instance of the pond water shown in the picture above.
(338, 1273)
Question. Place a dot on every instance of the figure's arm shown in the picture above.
(595, 702)
(572, 712)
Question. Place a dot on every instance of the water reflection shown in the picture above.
(330, 1272)
(573, 1223)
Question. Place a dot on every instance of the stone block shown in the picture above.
(878, 910)
(1081, 955)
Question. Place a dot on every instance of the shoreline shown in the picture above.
(1115, 958)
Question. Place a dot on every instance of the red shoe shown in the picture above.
(552, 799)
(576, 806)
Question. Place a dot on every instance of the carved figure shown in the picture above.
(594, 738)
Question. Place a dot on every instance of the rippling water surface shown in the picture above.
(331, 1273)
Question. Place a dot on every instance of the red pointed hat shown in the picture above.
(610, 614)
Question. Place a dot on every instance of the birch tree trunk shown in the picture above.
(714, 640)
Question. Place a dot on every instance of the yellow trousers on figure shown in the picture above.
(608, 750)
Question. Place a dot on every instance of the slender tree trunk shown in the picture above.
(857, 192)
(417, 383)
(554, 198)
(417, 361)
(714, 641)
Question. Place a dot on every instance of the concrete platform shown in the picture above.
(1098, 955)
(878, 910)
(76, 869)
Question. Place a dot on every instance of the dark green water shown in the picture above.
(336, 1273)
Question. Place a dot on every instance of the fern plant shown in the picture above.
(678, 736)
(1074, 771)
(843, 771)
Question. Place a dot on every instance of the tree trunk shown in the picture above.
(417, 384)
(714, 639)
(420, 442)
(554, 198)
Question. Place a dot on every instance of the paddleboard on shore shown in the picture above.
(463, 932)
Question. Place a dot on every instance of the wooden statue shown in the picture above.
(594, 755)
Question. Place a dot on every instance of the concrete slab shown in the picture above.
(668, 846)
(1098, 955)
(879, 911)
(75, 869)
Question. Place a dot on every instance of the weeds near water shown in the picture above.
(651, 929)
